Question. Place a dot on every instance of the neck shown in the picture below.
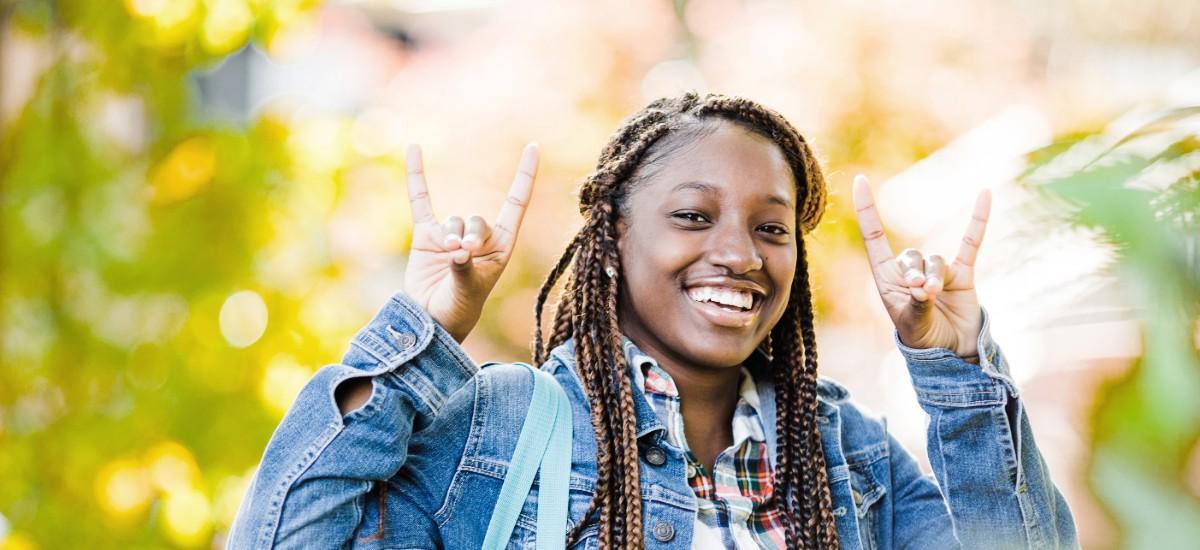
(707, 402)
(707, 398)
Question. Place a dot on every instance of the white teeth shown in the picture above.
(726, 296)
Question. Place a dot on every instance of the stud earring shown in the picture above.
(610, 271)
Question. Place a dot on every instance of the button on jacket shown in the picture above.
(734, 508)
(421, 463)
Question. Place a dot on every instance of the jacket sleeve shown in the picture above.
(981, 448)
(309, 488)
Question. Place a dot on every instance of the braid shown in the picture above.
(817, 488)
(539, 351)
(787, 481)
(562, 320)
(587, 313)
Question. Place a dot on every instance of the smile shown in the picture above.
(724, 306)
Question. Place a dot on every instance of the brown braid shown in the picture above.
(587, 312)
(544, 293)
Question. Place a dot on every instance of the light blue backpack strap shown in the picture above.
(531, 446)
(554, 479)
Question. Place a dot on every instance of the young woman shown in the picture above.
(684, 340)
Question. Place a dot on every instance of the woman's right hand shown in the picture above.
(453, 265)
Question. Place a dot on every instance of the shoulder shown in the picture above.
(510, 385)
(859, 427)
(503, 390)
(494, 397)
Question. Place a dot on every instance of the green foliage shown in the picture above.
(118, 257)
(1139, 193)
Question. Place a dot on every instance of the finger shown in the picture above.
(460, 262)
(418, 193)
(476, 233)
(513, 211)
(452, 230)
(879, 251)
(912, 266)
(973, 238)
(935, 274)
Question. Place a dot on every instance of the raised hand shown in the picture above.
(932, 304)
(454, 264)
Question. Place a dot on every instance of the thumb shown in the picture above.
(467, 278)
(461, 265)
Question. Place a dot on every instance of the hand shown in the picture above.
(453, 265)
(931, 304)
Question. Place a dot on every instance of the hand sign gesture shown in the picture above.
(931, 304)
(453, 265)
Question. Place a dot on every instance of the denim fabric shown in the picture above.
(421, 463)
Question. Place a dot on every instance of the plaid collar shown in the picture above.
(656, 383)
(734, 504)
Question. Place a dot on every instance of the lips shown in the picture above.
(731, 298)
(720, 315)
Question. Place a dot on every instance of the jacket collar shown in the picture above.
(647, 421)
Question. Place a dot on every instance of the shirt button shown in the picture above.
(691, 471)
(663, 531)
(656, 456)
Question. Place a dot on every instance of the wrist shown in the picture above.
(458, 333)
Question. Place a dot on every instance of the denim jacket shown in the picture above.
(420, 464)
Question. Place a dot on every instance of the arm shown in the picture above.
(321, 460)
(309, 488)
(982, 451)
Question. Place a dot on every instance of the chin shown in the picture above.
(722, 356)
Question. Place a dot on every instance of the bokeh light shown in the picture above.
(243, 318)
(185, 170)
(281, 382)
(204, 200)
(226, 25)
(186, 517)
(122, 489)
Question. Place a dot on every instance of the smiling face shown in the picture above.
(710, 230)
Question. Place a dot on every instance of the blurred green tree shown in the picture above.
(1139, 193)
(132, 234)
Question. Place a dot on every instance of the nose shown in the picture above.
(734, 247)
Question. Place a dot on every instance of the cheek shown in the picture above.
(782, 269)
(659, 259)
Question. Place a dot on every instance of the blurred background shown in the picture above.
(202, 200)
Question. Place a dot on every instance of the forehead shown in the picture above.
(728, 161)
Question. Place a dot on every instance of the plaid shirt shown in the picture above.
(733, 501)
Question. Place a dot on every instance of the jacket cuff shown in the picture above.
(942, 378)
(405, 341)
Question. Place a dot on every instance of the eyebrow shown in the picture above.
(705, 187)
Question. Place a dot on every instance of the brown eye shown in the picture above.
(776, 229)
(694, 217)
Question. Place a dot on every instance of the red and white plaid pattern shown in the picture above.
(735, 509)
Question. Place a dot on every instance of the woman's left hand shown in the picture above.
(932, 304)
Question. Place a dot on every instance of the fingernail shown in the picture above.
(451, 240)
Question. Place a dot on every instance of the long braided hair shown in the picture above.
(587, 312)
